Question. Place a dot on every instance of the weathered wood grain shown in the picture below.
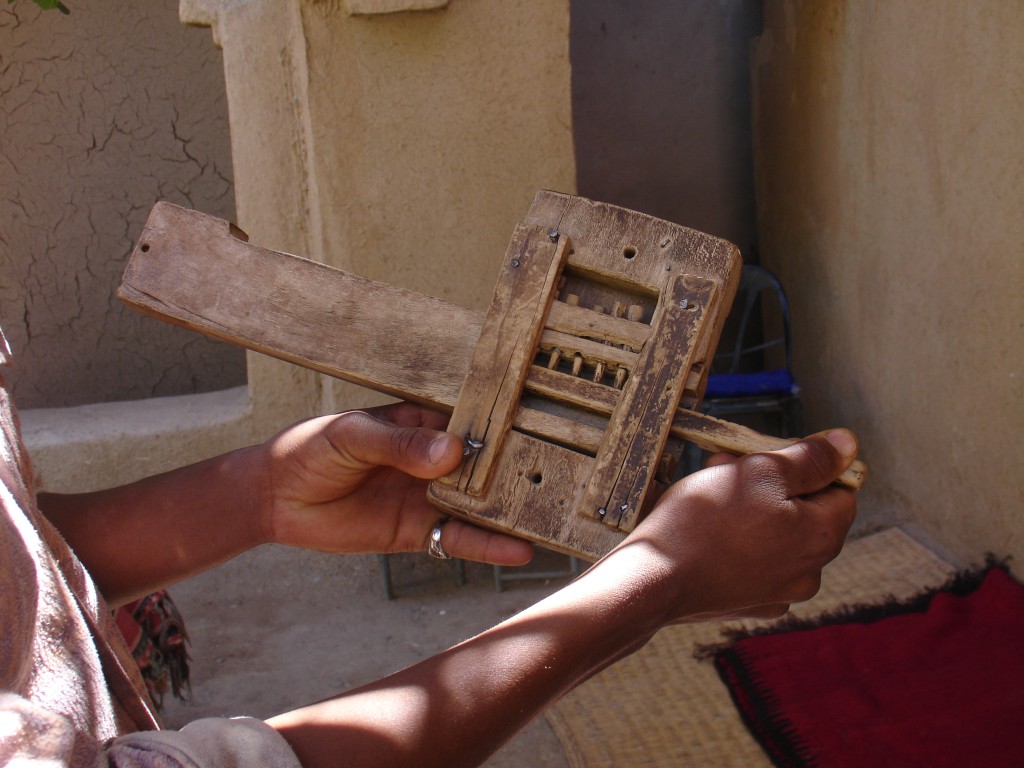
(639, 426)
(489, 397)
(191, 269)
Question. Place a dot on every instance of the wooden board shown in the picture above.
(489, 397)
(625, 464)
(195, 271)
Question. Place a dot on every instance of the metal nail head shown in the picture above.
(472, 445)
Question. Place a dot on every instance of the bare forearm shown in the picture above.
(140, 537)
(457, 708)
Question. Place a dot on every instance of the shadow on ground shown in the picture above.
(278, 628)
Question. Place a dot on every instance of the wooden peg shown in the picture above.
(599, 366)
(577, 364)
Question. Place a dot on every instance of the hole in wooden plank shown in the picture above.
(629, 252)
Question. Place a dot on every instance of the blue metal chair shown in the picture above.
(750, 379)
(755, 378)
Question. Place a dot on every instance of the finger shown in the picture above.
(467, 542)
(410, 415)
(817, 461)
(417, 451)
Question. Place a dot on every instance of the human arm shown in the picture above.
(747, 537)
(353, 482)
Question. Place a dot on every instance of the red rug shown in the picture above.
(935, 682)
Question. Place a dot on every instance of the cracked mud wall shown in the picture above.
(102, 113)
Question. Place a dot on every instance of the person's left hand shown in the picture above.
(356, 482)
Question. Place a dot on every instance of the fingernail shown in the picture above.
(844, 442)
(438, 448)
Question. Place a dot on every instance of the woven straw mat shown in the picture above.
(662, 707)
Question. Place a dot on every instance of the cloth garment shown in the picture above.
(70, 691)
(936, 683)
(155, 633)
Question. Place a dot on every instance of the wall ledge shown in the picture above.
(163, 416)
(378, 7)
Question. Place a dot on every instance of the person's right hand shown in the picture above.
(746, 536)
(356, 482)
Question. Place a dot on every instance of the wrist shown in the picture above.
(645, 589)
(249, 468)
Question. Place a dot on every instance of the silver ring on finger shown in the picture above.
(434, 548)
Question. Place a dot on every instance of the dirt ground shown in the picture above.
(278, 628)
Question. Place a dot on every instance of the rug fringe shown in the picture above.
(959, 584)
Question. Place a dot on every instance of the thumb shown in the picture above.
(417, 451)
(817, 461)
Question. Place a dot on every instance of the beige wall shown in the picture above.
(102, 112)
(404, 146)
(890, 180)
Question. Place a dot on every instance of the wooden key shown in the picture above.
(551, 448)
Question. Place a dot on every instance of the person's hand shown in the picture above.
(356, 482)
(746, 536)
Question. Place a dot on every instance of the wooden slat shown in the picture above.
(190, 269)
(578, 321)
(705, 431)
(713, 434)
(572, 390)
(591, 350)
(578, 435)
(639, 425)
(626, 246)
(508, 340)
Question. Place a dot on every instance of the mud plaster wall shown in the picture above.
(332, 161)
(890, 179)
(103, 112)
